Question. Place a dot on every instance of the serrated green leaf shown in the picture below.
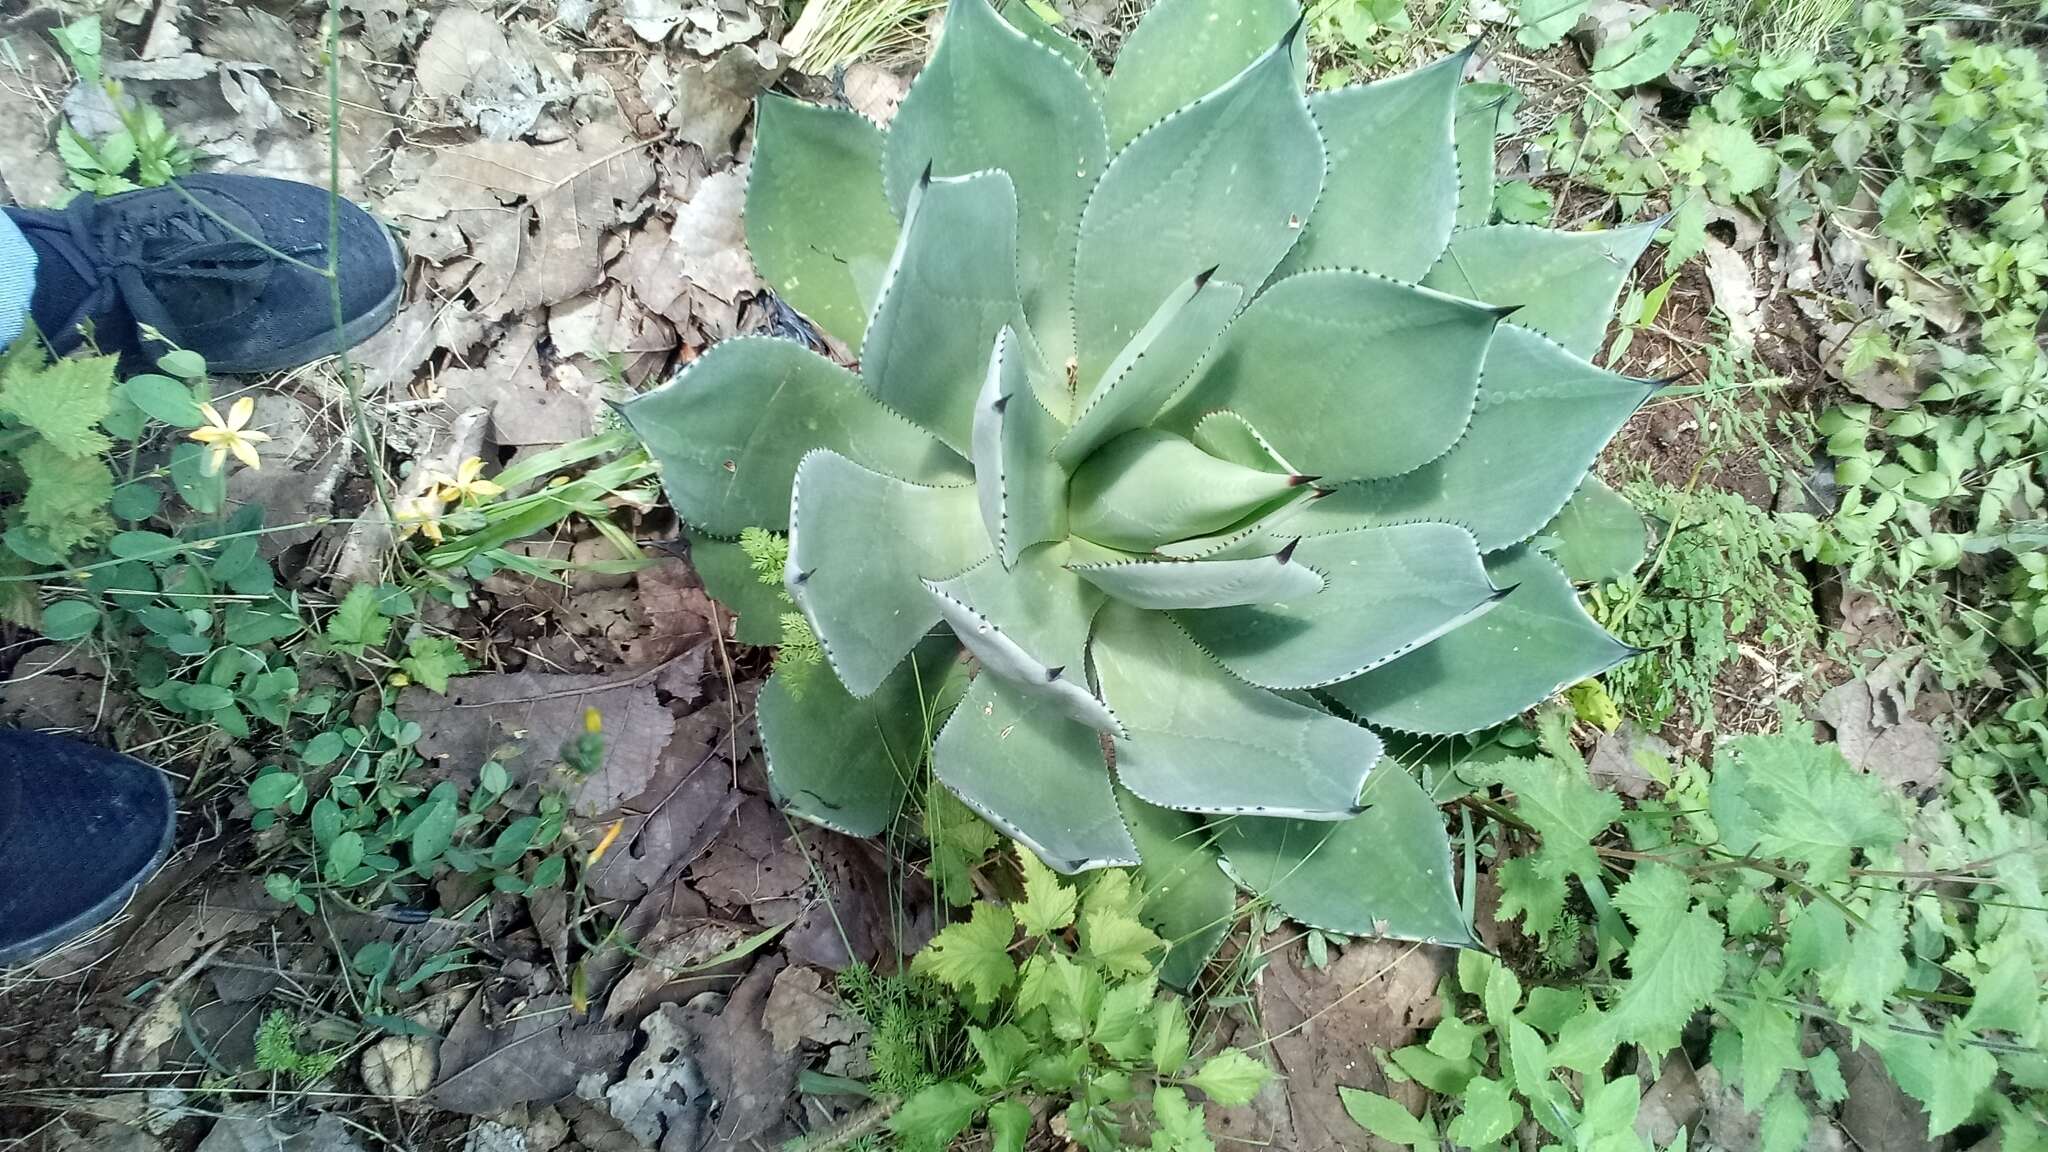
(1009, 1125)
(729, 577)
(1003, 1050)
(1148, 487)
(934, 1115)
(1598, 535)
(1171, 1035)
(1356, 351)
(1123, 1007)
(67, 498)
(356, 623)
(1537, 641)
(1231, 1078)
(1022, 490)
(431, 660)
(1564, 284)
(1196, 739)
(1389, 590)
(1770, 1044)
(992, 98)
(1542, 417)
(1028, 625)
(1311, 870)
(730, 430)
(1228, 436)
(63, 402)
(1118, 942)
(1391, 162)
(973, 957)
(1799, 801)
(1487, 1113)
(868, 605)
(1151, 371)
(1675, 964)
(818, 226)
(1035, 773)
(951, 288)
(1240, 168)
(1484, 112)
(1185, 49)
(1166, 585)
(1048, 904)
(846, 763)
(1188, 900)
(1180, 1124)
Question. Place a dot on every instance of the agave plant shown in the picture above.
(1209, 416)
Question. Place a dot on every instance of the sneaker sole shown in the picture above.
(320, 347)
(22, 951)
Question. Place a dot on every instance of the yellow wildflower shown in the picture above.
(230, 435)
(418, 514)
(468, 484)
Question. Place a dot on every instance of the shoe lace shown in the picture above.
(183, 244)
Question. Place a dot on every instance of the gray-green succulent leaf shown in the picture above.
(1213, 420)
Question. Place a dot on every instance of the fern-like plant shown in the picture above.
(1190, 405)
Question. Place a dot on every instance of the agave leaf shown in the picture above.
(994, 98)
(1025, 20)
(1036, 775)
(1029, 625)
(1223, 183)
(952, 287)
(1185, 49)
(818, 226)
(1022, 491)
(847, 763)
(1598, 535)
(1563, 284)
(1253, 534)
(1228, 436)
(1352, 376)
(1536, 642)
(1543, 416)
(729, 577)
(1392, 192)
(1201, 740)
(1384, 872)
(1152, 367)
(1146, 488)
(865, 601)
(1483, 110)
(729, 430)
(1162, 585)
(1390, 589)
(1189, 902)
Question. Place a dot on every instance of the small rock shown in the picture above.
(399, 1067)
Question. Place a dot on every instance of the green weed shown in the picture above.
(1725, 575)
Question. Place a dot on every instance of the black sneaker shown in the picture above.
(80, 829)
(210, 278)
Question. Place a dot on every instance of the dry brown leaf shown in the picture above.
(533, 1054)
(537, 713)
(1379, 994)
(527, 406)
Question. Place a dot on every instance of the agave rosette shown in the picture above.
(1209, 415)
